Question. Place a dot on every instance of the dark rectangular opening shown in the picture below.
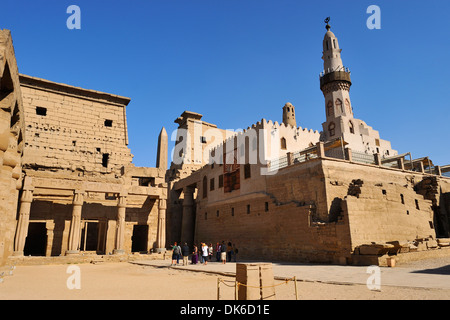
(140, 238)
(89, 237)
(221, 181)
(108, 123)
(41, 111)
(266, 206)
(105, 160)
(36, 241)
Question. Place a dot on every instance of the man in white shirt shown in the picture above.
(205, 253)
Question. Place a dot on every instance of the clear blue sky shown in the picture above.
(238, 61)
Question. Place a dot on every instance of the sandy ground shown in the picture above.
(122, 280)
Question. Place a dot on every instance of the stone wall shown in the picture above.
(73, 129)
(11, 143)
(322, 210)
(279, 223)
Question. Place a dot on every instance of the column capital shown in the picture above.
(27, 196)
(122, 203)
(78, 198)
(162, 203)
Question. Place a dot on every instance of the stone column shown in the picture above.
(22, 225)
(320, 149)
(161, 240)
(401, 164)
(120, 228)
(188, 219)
(290, 158)
(348, 154)
(377, 159)
(75, 225)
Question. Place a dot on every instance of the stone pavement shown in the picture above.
(413, 277)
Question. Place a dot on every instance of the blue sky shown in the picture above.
(238, 61)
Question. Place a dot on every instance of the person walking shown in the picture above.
(223, 252)
(235, 251)
(195, 255)
(205, 253)
(176, 253)
(185, 252)
(229, 252)
(210, 251)
(218, 251)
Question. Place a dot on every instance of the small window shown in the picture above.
(383, 191)
(232, 212)
(98, 149)
(203, 139)
(211, 184)
(248, 209)
(334, 43)
(266, 206)
(247, 172)
(108, 123)
(402, 198)
(351, 127)
(221, 181)
(105, 160)
(330, 108)
(40, 111)
(331, 129)
(417, 204)
(217, 213)
(205, 186)
(283, 143)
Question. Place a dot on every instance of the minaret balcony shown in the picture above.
(327, 77)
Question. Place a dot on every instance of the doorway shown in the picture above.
(93, 236)
(36, 241)
(139, 240)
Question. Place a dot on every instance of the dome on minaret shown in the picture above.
(331, 52)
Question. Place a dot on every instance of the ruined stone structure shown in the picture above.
(11, 143)
(278, 191)
(281, 192)
(68, 182)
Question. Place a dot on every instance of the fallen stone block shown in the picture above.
(443, 242)
(432, 244)
(375, 249)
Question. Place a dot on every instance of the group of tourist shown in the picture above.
(202, 254)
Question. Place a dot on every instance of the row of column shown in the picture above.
(75, 225)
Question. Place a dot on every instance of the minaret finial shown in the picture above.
(328, 27)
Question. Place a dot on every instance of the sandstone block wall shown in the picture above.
(11, 143)
(73, 129)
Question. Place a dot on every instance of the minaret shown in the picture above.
(335, 85)
(289, 115)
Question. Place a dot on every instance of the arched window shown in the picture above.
(351, 127)
(331, 129)
(330, 108)
(339, 105)
(347, 106)
(283, 143)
